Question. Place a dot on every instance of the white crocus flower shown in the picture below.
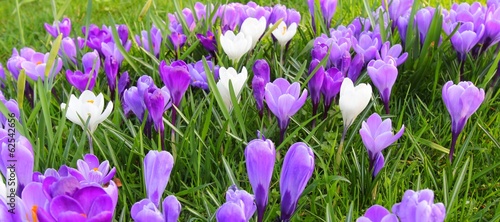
(283, 33)
(254, 28)
(238, 80)
(235, 46)
(87, 107)
(353, 100)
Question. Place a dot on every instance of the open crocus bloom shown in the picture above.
(353, 100)
(254, 28)
(235, 46)
(284, 33)
(87, 107)
(237, 79)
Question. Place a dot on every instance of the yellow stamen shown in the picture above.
(38, 63)
(90, 101)
(284, 30)
(95, 169)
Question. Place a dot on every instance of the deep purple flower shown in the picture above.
(315, 84)
(233, 194)
(208, 41)
(156, 39)
(298, 167)
(2, 76)
(328, 8)
(393, 52)
(377, 213)
(260, 156)
(157, 168)
(94, 172)
(402, 25)
(284, 100)
(331, 87)
(97, 36)
(377, 135)
(111, 66)
(262, 76)
(397, 8)
(278, 12)
(57, 28)
(68, 49)
(123, 34)
(35, 67)
(230, 212)
(419, 206)
(91, 65)
(383, 74)
(145, 210)
(461, 100)
(176, 78)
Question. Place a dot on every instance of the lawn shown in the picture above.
(209, 130)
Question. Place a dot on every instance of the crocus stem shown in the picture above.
(260, 215)
(174, 118)
(326, 108)
(90, 143)
(282, 135)
(281, 59)
(454, 137)
(162, 139)
(338, 157)
(386, 107)
(315, 111)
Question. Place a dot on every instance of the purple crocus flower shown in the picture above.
(157, 168)
(111, 66)
(331, 87)
(355, 67)
(57, 28)
(123, 83)
(402, 25)
(278, 12)
(208, 41)
(393, 52)
(91, 65)
(157, 101)
(17, 58)
(397, 8)
(13, 212)
(122, 31)
(366, 46)
(377, 213)
(260, 156)
(492, 26)
(198, 75)
(2, 76)
(383, 74)
(24, 157)
(35, 67)
(110, 49)
(236, 195)
(145, 210)
(284, 100)
(94, 172)
(97, 36)
(419, 206)
(261, 76)
(461, 100)
(423, 20)
(177, 39)
(156, 39)
(200, 10)
(465, 38)
(328, 8)
(88, 203)
(230, 212)
(298, 167)
(68, 49)
(377, 135)
(176, 78)
(293, 16)
(315, 84)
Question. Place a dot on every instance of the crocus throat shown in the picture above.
(39, 62)
(33, 213)
(84, 215)
(95, 169)
(284, 30)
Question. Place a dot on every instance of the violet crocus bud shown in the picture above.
(355, 68)
(278, 12)
(122, 33)
(377, 213)
(133, 101)
(157, 168)
(377, 135)
(123, 83)
(176, 78)
(331, 87)
(145, 210)
(157, 101)
(328, 8)
(57, 28)
(315, 84)
(461, 100)
(423, 20)
(156, 40)
(68, 48)
(383, 74)
(262, 75)
(171, 209)
(177, 39)
(298, 167)
(397, 8)
(284, 100)
(111, 67)
(465, 38)
(319, 51)
(421, 202)
(260, 156)
(242, 197)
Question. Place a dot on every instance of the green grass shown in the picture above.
(209, 146)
